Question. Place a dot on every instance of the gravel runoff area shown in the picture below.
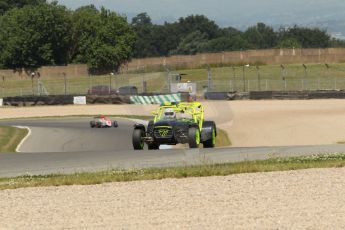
(306, 199)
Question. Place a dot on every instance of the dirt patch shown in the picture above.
(306, 199)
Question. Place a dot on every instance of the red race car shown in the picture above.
(102, 122)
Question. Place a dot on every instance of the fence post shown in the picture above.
(144, 86)
(244, 80)
(65, 83)
(168, 78)
(38, 86)
(209, 79)
(305, 71)
(259, 80)
(266, 85)
(327, 70)
(282, 72)
(90, 84)
(3, 86)
(32, 83)
(234, 76)
(302, 84)
(110, 85)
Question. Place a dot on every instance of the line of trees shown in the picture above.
(34, 33)
(198, 34)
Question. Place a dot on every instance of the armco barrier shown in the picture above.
(226, 95)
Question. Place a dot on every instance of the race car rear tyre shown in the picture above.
(153, 146)
(211, 143)
(193, 137)
(92, 124)
(138, 143)
(115, 124)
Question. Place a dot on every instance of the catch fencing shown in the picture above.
(245, 78)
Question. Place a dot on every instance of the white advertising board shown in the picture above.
(80, 100)
(1, 102)
(183, 88)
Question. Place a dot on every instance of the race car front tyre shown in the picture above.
(138, 143)
(92, 124)
(211, 143)
(115, 124)
(193, 137)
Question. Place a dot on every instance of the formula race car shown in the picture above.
(176, 123)
(102, 122)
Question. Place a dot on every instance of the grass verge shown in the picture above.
(270, 165)
(10, 137)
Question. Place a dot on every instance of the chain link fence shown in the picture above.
(209, 79)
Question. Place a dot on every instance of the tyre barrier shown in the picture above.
(62, 100)
(276, 95)
(107, 99)
(226, 95)
(38, 100)
(297, 95)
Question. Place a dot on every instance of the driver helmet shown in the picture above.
(169, 113)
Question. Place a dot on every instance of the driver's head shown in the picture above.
(169, 113)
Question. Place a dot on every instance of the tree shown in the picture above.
(200, 23)
(226, 44)
(289, 43)
(144, 46)
(261, 36)
(307, 37)
(165, 38)
(141, 19)
(6, 5)
(33, 36)
(101, 39)
(191, 44)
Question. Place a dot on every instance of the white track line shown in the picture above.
(24, 139)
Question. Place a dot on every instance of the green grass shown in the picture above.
(225, 78)
(10, 137)
(204, 170)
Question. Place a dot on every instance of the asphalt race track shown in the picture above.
(68, 145)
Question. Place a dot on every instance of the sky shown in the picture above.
(237, 13)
